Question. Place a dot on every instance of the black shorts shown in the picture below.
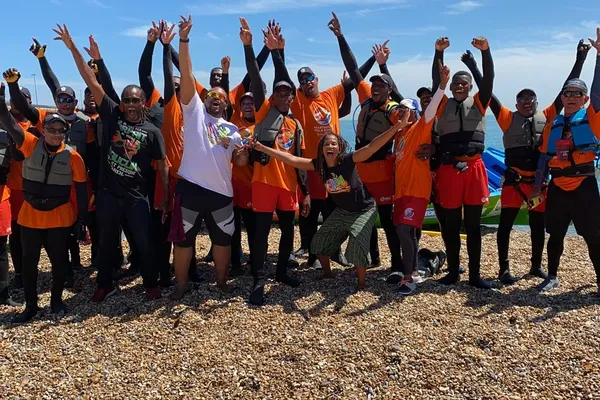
(582, 206)
(193, 204)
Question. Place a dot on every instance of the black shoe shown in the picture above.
(5, 299)
(69, 282)
(506, 278)
(26, 315)
(461, 269)
(449, 279)
(58, 308)
(288, 280)
(76, 266)
(300, 252)
(538, 272)
(292, 262)
(375, 262)
(236, 271)
(341, 259)
(127, 272)
(394, 278)
(257, 297)
(18, 282)
(479, 283)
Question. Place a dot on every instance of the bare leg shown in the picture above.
(181, 260)
(326, 264)
(222, 257)
(361, 274)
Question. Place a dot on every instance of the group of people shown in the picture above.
(156, 166)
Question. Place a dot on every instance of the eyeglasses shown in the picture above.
(572, 93)
(215, 95)
(309, 78)
(63, 100)
(531, 99)
(131, 100)
(54, 131)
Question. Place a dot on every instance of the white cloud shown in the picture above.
(97, 3)
(56, 2)
(211, 35)
(142, 30)
(462, 7)
(269, 6)
(564, 36)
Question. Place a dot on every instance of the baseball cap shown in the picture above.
(25, 92)
(576, 83)
(282, 83)
(50, 118)
(305, 70)
(422, 90)
(65, 90)
(409, 103)
(526, 90)
(382, 77)
(247, 94)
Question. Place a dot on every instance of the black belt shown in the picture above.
(574, 171)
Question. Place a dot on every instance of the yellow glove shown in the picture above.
(11, 75)
(92, 64)
(37, 50)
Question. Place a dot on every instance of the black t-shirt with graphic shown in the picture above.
(127, 152)
(345, 187)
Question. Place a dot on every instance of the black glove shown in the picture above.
(80, 232)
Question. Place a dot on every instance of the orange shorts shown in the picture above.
(5, 218)
(267, 198)
(382, 192)
(159, 193)
(454, 189)
(242, 194)
(16, 201)
(511, 198)
(410, 211)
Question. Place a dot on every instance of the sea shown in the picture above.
(493, 139)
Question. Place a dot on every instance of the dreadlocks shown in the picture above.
(321, 163)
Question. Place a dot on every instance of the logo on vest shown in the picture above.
(409, 213)
(400, 149)
(285, 139)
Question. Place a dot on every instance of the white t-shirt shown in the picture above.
(208, 145)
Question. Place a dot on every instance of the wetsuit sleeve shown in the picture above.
(261, 59)
(225, 83)
(10, 125)
(575, 73)
(21, 104)
(346, 106)
(106, 81)
(595, 92)
(364, 71)
(174, 57)
(435, 69)
(349, 61)
(487, 82)
(300, 173)
(145, 69)
(395, 95)
(495, 104)
(168, 74)
(281, 72)
(82, 201)
(49, 76)
(254, 72)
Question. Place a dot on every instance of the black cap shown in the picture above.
(384, 78)
(50, 118)
(65, 90)
(247, 94)
(25, 92)
(422, 90)
(305, 70)
(526, 90)
(576, 83)
(87, 90)
(282, 83)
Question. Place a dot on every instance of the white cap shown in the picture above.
(408, 103)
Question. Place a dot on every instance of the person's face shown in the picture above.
(65, 104)
(380, 91)
(216, 102)
(460, 87)
(331, 149)
(247, 106)
(573, 99)
(216, 77)
(54, 133)
(282, 98)
(89, 102)
(132, 102)
(527, 104)
(309, 85)
(177, 84)
(425, 99)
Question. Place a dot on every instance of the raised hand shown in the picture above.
(2, 93)
(381, 52)
(11, 75)
(93, 51)
(345, 76)
(93, 66)
(64, 36)
(37, 50)
(403, 123)
(334, 25)
(442, 43)
(185, 26)
(444, 75)
(582, 49)
(225, 64)
(245, 32)
(271, 40)
(167, 35)
(154, 32)
(480, 43)
(596, 43)
(467, 58)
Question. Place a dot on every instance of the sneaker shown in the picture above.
(394, 278)
(26, 315)
(153, 294)
(58, 308)
(257, 297)
(103, 293)
(479, 283)
(538, 272)
(407, 287)
(300, 252)
(549, 283)
(8, 301)
(288, 280)
(506, 278)
(417, 278)
(449, 279)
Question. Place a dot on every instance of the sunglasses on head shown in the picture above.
(55, 131)
(310, 78)
(526, 99)
(572, 93)
(215, 95)
(131, 100)
(63, 100)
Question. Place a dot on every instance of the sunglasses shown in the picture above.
(215, 95)
(522, 100)
(65, 100)
(131, 100)
(54, 131)
(572, 93)
(309, 78)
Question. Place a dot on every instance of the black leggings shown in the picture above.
(261, 242)
(16, 248)
(407, 236)
(249, 219)
(94, 236)
(387, 223)
(451, 234)
(3, 268)
(308, 225)
(537, 226)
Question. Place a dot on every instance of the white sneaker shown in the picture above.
(417, 278)
(549, 283)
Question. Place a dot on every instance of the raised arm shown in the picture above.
(364, 153)
(225, 64)
(582, 50)
(381, 53)
(261, 59)
(487, 82)
(7, 121)
(468, 59)
(251, 64)
(281, 72)
(431, 110)
(188, 86)
(166, 38)
(304, 164)
(347, 56)
(346, 106)
(145, 67)
(595, 92)
(49, 77)
(441, 44)
(12, 77)
(84, 70)
(105, 78)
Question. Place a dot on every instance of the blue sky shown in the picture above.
(532, 42)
